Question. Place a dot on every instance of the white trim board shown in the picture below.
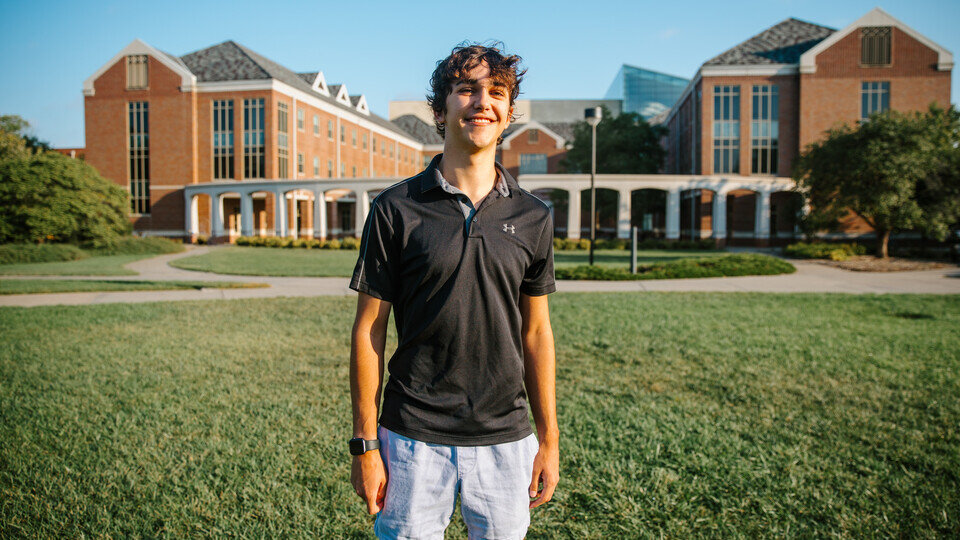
(875, 17)
(188, 81)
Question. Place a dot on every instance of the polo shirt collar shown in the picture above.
(431, 178)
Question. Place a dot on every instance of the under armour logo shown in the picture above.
(509, 228)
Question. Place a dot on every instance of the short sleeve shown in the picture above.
(538, 280)
(376, 270)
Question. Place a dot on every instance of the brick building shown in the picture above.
(158, 123)
(750, 110)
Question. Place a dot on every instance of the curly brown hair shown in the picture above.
(504, 68)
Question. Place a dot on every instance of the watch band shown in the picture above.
(360, 446)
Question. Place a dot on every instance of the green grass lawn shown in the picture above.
(109, 265)
(255, 261)
(36, 286)
(683, 414)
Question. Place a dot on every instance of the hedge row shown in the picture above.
(305, 243)
(823, 250)
(569, 244)
(127, 245)
(727, 265)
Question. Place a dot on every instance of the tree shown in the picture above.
(897, 171)
(626, 144)
(12, 144)
(50, 197)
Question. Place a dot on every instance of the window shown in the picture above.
(299, 119)
(533, 136)
(316, 125)
(316, 167)
(283, 156)
(874, 97)
(299, 163)
(343, 134)
(330, 129)
(364, 173)
(364, 141)
(222, 139)
(875, 46)
(533, 164)
(343, 170)
(138, 128)
(253, 142)
(136, 72)
(726, 129)
(383, 149)
(353, 135)
(764, 130)
(373, 141)
(329, 168)
(354, 171)
(391, 150)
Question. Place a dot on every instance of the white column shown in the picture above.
(673, 214)
(192, 216)
(761, 226)
(280, 213)
(216, 214)
(573, 214)
(246, 214)
(719, 215)
(292, 219)
(623, 213)
(319, 215)
(362, 209)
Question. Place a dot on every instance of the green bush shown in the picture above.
(50, 197)
(727, 265)
(301, 243)
(40, 253)
(203, 240)
(824, 250)
(350, 243)
(331, 244)
(137, 245)
(567, 244)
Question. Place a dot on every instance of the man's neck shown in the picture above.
(474, 174)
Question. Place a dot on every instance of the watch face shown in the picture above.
(356, 447)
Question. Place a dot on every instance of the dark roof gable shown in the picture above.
(782, 43)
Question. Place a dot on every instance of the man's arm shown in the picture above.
(367, 343)
(540, 378)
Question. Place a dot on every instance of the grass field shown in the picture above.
(39, 286)
(254, 261)
(684, 414)
(109, 265)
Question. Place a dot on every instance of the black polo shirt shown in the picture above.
(457, 374)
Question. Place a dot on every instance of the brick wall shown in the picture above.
(545, 144)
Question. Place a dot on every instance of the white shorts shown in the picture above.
(424, 479)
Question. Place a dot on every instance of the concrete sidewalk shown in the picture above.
(810, 277)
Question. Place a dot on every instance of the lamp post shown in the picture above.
(593, 115)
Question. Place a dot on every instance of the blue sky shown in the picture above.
(387, 50)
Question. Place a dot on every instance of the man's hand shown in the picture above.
(369, 479)
(546, 474)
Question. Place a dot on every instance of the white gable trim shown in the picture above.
(362, 105)
(320, 84)
(758, 70)
(533, 124)
(343, 96)
(876, 17)
(188, 80)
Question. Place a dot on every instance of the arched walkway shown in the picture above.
(607, 207)
(648, 212)
(741, 217)
(696, 214)
(786, 207)
(559, 202)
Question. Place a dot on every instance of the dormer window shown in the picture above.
(875, 46)
(136, 72)
(533, 136)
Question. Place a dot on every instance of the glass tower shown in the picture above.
(645, 92)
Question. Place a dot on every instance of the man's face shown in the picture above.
(478, 110)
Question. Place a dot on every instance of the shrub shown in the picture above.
(566, 244)
(824, 250)
(137, 245)
(331, 244)
(203, 240)
(727, 265)
(50, 197)
(272, 241)
(39, 253)
(350, 243)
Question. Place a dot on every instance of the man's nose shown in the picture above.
(482, 100)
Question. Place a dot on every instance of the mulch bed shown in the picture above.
(869, 263)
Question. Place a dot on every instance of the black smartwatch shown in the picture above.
(359, 446)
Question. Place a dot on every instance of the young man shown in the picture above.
(465, 259)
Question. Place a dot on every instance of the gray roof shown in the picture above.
(782, 43)
(230, 61)
(418, 129)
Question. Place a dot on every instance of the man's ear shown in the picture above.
(437, 117)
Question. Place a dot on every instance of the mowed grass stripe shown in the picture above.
(681, 414)
(41, 286)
